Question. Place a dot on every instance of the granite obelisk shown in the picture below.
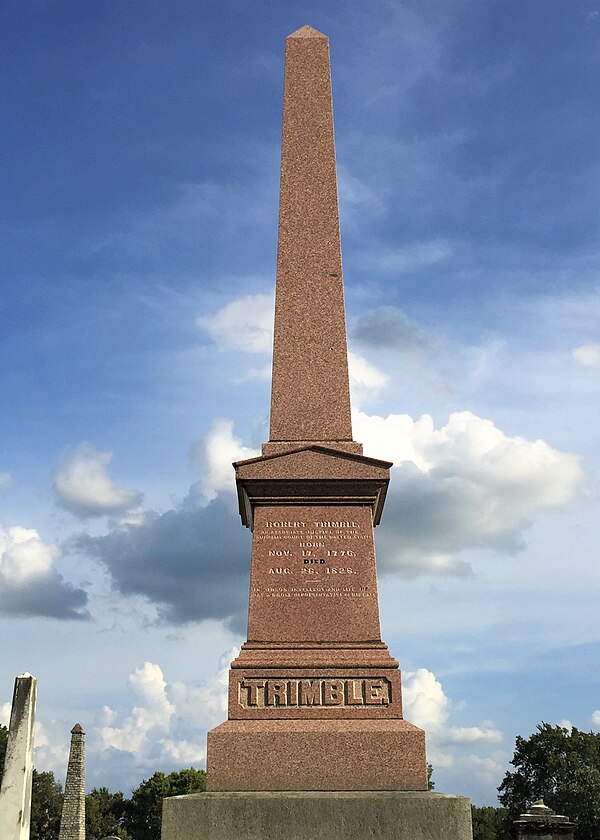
(314, 674)
(15, 793)
(315, 744)
(72, 820)
(310, 390)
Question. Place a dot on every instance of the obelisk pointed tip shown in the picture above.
(307, 32)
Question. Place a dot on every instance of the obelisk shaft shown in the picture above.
(72, 821)
(310, 398)
(15, 794)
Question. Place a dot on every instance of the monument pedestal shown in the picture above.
(326, 755)
(317, 815)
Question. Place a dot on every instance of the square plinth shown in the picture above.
(316, 755)
(317, 815)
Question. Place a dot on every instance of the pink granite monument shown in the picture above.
(314, 676)
(315, 743)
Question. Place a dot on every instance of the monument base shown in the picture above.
(317, 815)
(310, 755)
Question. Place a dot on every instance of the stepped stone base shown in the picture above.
(310, 755)
(314, 815)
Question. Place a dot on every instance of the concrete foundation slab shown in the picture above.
(317, 815)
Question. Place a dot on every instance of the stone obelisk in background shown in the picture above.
(315, 744)
(15, 794)
(72, 820)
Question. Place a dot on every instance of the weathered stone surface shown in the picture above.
(310, 815)
(15, 794)
(72, 821)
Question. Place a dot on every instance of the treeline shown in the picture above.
(107, 814)
(559, 765)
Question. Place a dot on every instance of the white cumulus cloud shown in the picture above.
(213, 456)
(154, 712)
(29, 582)
(23, 555)
(466, 484)
(365, 378)
(425, 703)
(587, 355)
(168, 723)
(83, 486)
(245, 323)
(596, 718)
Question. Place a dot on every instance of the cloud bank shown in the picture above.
(192, 563)
(30, 585)
(464, 485)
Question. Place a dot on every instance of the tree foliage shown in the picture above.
(104, 812)
(143, 814)
(430, 781)
(561, 767)
(46, 806)
(489, 823)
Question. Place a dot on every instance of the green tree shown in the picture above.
(430, 782)
(46, 806)
(489, 823)
(561, 767)
(142, 816)
(104, 814)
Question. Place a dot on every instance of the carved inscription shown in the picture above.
(311, 557)
(342, 692)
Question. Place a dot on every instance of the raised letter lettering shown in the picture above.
(333, 692)
(376, 692)
(310, 692)
(355, 693)
(277, 692)
(252, 687)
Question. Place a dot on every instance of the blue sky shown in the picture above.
(140, 153)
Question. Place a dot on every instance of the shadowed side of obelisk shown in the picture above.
(310, 398)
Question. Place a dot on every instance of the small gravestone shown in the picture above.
(15, 794)
(542, 822)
